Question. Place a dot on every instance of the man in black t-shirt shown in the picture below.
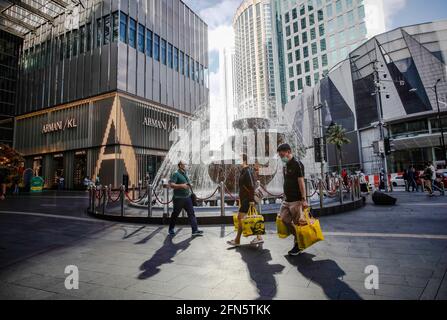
(295, 194)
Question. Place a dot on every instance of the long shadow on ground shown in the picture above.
(326, 274)
(162, 256)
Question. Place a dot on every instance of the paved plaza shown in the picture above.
(40, 236)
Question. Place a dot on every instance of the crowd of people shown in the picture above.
(426, 180)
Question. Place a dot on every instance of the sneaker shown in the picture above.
(295, 251)
(197, 233)
(172, 232)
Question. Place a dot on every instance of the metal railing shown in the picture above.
(103, 200)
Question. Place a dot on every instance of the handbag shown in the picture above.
(193, 195)
(283, 231)
(252, 225)
(309, 234)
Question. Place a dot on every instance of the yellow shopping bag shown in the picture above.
(252, 224)
(283, 231)
(309, 234)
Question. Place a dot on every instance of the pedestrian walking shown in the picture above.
(412, 179)
(3, 176)
(427, 179)
(406, 181)
(295, 201)
(247, 187)
(182, 199)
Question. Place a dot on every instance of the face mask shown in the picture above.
(285, 160)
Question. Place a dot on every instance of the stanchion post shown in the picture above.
(222, 198)
(93, 199)
(320, 187)
(122, 188)
(166, 196)
(149, 200)
(133, 192)
(352, 189)
(258, 185)
(306, 183)
(104, 200)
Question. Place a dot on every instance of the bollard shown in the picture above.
(222, 199)
(320, 187)
(133, 192)
(105, 193)
(166, 196)
(122, 188)
(149, 200)
(340, 189)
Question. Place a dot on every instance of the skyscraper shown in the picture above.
(312, 36)
(255, 85)
(227, 61)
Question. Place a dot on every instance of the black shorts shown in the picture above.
(245, 206)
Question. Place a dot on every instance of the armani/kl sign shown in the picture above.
(60, 125)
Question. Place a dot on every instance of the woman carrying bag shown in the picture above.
(247, 201)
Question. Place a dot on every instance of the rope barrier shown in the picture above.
(207, 198)
(271, 194)
(229, 193)
(161, 202)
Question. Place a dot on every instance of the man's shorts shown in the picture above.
(292, 212)
(245, 206)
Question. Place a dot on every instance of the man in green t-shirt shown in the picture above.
(181, 185)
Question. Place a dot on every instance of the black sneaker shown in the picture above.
(197, 233)
(295, 251)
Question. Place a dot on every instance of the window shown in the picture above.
(141, 37)
(170, 64)
(304, 37)
(298, 55)
(291, 73)
(89, 32)
(306, 52)
(149, 43)
(156, 47)
(68, 45)
(315, 63)
(192, 70)
(308, 81)
(321, 30)
(361, 12)
(296, 40)
(294, 14)
(201, 75)
(306, 66)
(295, 27)
(323, 45)
(74, 48)
(98, 33)
(63, 43)
(314, 48)
(175, 59)
(313, 34)
(303, 23)
(187, 65)
(300, 84)
(339, 6)
(292, 86)
(324, 60)
(197, 72)
(289, 44)
(182, 63)
(287, 17)
(107, 23)
(163, 51)
(320, 15)
(312, 19)
(123, 27)
(82, 41)
(115, 26)
(132, 33)
(299, 70)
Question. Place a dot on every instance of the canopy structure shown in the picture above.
(20, 17)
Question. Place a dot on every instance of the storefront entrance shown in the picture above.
(80, 170)
(58, 172)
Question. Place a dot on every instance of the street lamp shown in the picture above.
(377, 94)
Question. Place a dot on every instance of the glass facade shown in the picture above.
(10, 47)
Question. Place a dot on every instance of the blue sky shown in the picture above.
(218, 14)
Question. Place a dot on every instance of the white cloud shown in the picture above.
(391, 9)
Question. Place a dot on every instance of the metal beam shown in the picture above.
(17, 21)
(12, 31)
(33, 10)
(61, 3)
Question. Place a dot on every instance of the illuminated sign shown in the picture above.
(60, 125)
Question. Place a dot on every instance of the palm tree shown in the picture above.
(336, 135)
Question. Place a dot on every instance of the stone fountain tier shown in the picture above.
(229, 171)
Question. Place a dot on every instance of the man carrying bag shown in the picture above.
(179, 182)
